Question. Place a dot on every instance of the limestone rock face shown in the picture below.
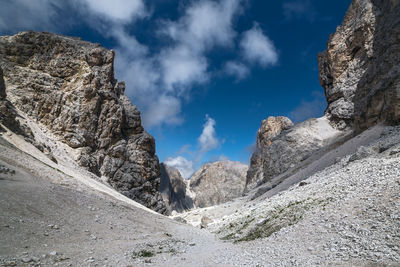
(68, 86)
(360, 73)
(7, 113)
(173, 188)
(218, 182)
(270, 128)
(2, 86)
(287, 148)
(377, 97)
(360, 68)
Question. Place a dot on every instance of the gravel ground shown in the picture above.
(347, 214)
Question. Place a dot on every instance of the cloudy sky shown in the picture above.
(204, 73)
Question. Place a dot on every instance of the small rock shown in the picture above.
(205, 221)
(261, 221)
(53, 253)
(26, 260)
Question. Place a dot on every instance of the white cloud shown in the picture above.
(156, 81)
(237, 69)
(165, 109)
(182, 68)
(22, 15)
(204, 25)
(299, 9)
(208, 139)
(258, 48)
(122, 11)
(184, 166)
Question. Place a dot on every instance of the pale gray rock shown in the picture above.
(289, 149)
(270, 128)
(360, 69)
(218, 182)
(7, 112)
(360, 74)
(68, 86)
(173, 189)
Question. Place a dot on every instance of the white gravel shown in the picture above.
(346, 214)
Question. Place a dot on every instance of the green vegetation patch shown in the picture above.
(143, 254)
(276, 220)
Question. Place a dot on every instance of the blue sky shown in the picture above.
(203, 73)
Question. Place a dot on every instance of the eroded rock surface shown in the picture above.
(218, 182)
(360, 68)
(7, 113)
(68, 86)
(270, 128)
(173, 188)
(360, 74)
(287, 147)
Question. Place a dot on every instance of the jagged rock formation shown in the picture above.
(7, 114)
(173, 188)
(359, 70)
(269, 129)
(361, 77)
(68, 86)
(218, 182)
(286, 146)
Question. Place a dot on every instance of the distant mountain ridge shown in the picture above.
(218, 182)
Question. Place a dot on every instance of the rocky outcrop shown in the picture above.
(3, 94)
(360, 74)
(68, 86)
(359, 70)
(270, 128)
(285, 146)
(173, 188)
(7, 113)
(218, 182)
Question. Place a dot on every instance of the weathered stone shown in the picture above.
(7, 112)
(270, 128)
(360, 68)
(173, 189)
(2, 86)
(360, 74)
(68, 86)
(288, 149)
(218, 182)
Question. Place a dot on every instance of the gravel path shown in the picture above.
(346, 214)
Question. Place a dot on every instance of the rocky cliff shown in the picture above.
(360, 68)
(360, 74)
(7, 112)
(173, 188)
(282, 146)
(270, 128)
(218, 182)
(68, 86)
